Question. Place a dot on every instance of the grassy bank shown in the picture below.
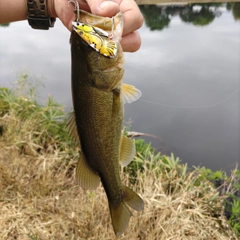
(39, 198)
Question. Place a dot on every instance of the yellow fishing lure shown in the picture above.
(97, 38)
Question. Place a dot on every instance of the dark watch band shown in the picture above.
(38, 15)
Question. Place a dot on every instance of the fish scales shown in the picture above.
(100, 113)
(97, 93)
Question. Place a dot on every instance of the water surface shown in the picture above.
(187, 69)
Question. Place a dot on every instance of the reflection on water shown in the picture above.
(188, 73)
(200, 14)
(191, 90)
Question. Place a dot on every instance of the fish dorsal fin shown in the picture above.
(72, 128)
(86, 177)
(130, 93)
(127, 150)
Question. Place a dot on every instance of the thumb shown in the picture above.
(105, 8)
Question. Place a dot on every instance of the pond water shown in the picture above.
(187, 69)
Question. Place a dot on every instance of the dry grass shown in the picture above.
(39, 199)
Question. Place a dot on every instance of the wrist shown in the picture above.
(51, 8)
(38, 14)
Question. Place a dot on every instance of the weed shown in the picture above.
(39, 194)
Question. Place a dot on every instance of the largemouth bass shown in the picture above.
(96, 124)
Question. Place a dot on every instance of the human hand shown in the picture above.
(133, 19)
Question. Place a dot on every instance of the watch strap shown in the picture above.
(38, 15)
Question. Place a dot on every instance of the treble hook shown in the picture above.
(76, 8)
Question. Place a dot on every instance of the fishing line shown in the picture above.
(76, 8)
(193, 107)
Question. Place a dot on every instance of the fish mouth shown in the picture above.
(100, 40)
(100, 33)
(111, 26)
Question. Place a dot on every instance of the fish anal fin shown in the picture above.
(85, 176)
(127, 150)
(72, 128)
(130, 93)
(132, 199)
(120, 213)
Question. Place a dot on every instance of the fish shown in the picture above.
(98, 95)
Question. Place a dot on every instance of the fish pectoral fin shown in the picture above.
(127, 150)
(86, 177)
(132, 199)
(120, 213)
(130, 93)
(72, 128)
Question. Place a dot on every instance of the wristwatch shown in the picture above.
(38, 15)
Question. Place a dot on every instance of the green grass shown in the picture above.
(40, 198)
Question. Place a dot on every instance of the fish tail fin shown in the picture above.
(120, 213)
(132, 199)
